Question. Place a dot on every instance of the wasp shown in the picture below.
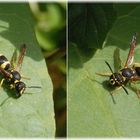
(129, 73)
(12, 75)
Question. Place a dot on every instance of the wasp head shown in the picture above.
(20, 88)
(116, 79)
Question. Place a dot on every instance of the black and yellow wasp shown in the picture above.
(11, 75)
(129, 73)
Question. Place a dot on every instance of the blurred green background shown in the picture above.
(50, 30)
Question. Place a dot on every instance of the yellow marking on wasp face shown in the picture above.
(11, 76)
(16, 81)
(11, 86)
(1, 54)
(4, 64)
(21, 92)
(112, 82)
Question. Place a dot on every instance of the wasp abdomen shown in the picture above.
(4, 63)
(137, 69)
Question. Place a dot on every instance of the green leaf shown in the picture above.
(91, 111)
(32, 114)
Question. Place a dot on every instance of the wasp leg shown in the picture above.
(135, 89)
(2, 82)
(111, 93)
(104, 74)
(27, 78)
(118, 88)
(114, 92)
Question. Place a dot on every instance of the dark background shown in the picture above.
(50, 30)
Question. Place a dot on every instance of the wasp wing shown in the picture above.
(20, 58)
(130, 56)
(117, 60)
(13, 59)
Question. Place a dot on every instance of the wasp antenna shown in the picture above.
(125, 90)
(34, 87)
(109, 66)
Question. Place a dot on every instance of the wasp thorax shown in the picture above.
(127, 72)
(15, 75)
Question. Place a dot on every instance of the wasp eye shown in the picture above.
(112, 82)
